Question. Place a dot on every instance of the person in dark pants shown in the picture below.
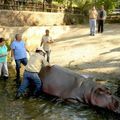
(32, 69)
(46, 42)
(19, 53)
(101, 19)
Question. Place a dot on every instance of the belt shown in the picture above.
(31, 72)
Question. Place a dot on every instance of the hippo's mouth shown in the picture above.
(116, 104)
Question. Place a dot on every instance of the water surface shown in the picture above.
(45, 108)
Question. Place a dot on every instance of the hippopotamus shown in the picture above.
(69, 85)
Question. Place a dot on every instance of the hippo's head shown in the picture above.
(103, 98)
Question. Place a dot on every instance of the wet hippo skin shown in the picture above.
(68, 85)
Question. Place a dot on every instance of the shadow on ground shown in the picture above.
(112, 50)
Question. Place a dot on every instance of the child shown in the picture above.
(3, 59)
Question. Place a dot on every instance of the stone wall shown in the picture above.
(113, 18)
(32, 35)
(32, 25)
(26, 18)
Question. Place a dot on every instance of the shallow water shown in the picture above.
(45, 108)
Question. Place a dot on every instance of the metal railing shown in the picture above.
(34, 6)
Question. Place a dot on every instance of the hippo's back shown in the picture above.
(59, 81)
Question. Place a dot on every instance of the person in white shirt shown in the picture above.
(32, 69)
(46, 42)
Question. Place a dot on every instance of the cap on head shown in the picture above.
(1, 40)
(40, 49)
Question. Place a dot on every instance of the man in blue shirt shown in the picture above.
(18, 51)
(3, 59)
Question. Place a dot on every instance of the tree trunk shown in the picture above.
(70, 6)
(43, 5)
(71, 1)
(49, 5)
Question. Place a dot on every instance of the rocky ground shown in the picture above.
(96, 55)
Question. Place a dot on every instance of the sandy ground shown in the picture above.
(97, 55)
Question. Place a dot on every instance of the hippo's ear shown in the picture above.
(48, 67)
(103, 90)
(116, 105)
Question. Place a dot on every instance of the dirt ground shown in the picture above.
(96, 55)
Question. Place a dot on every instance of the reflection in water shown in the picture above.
(45, 108)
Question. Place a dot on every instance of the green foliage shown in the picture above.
(60, 1)
(85, 5)
(8, 43)
(109, 4)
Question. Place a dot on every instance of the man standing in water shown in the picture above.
(32, 69)
(46, 42)
(92, 20)
(19, 53)
(101, 19)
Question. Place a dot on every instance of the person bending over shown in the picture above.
(32, 69)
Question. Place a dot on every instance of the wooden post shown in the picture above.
(43, 5)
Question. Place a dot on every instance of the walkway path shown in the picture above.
(98, 54)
